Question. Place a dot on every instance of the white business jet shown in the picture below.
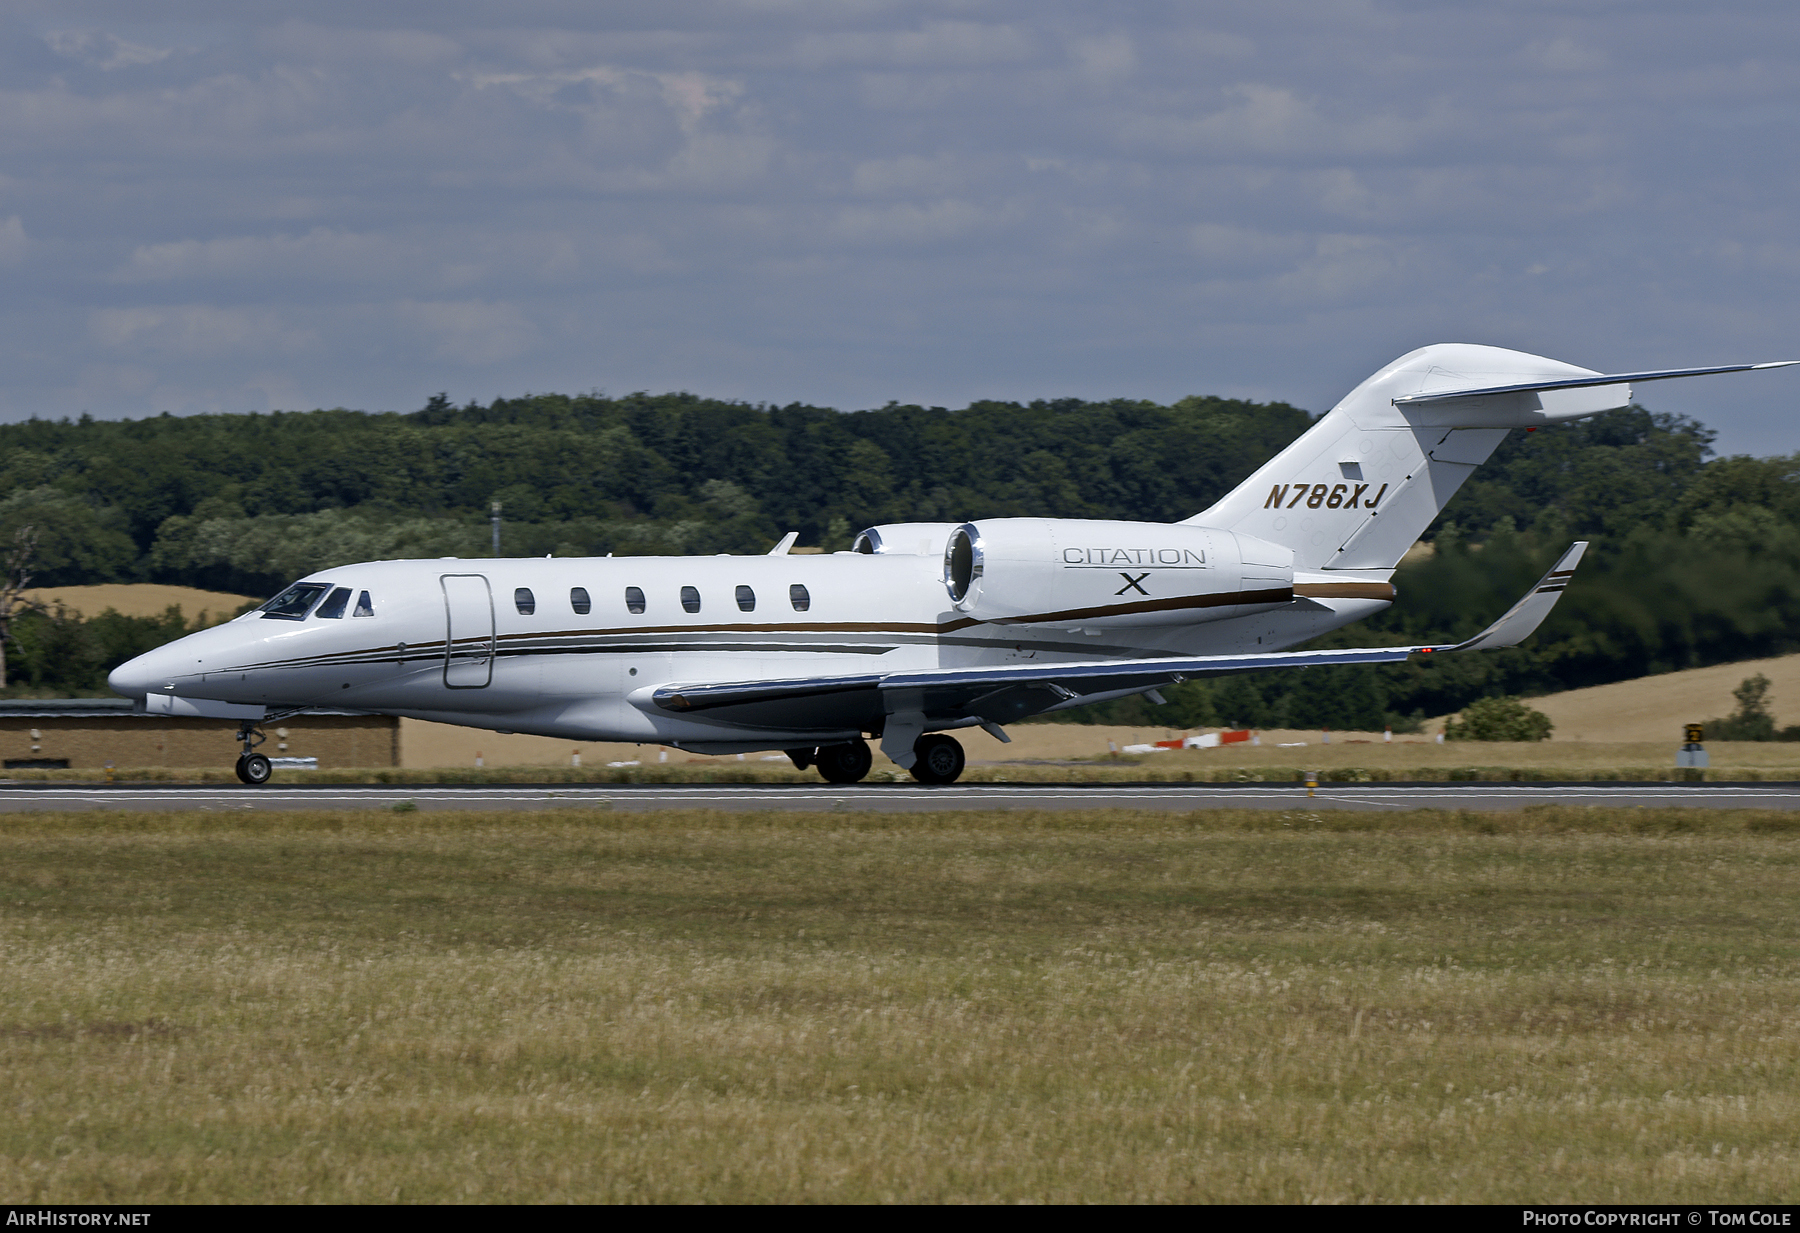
(920, 629)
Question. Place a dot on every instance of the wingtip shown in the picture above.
(1774, 364)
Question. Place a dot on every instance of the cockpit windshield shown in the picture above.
(294, 603)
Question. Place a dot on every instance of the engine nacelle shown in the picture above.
(1077, 572)
(910, 539)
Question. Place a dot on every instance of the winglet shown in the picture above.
(787, 541)
(1523, 618)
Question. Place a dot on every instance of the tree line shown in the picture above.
(1696, 559)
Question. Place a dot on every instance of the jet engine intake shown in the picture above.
(1080, 572)
(913, 539)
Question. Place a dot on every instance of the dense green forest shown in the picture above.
(1696, 560)
(248, 502)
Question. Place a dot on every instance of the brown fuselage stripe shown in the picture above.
(1346, 590)
(1273, 595)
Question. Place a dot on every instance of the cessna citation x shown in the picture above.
(920, 629)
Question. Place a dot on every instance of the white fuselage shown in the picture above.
(448, 641)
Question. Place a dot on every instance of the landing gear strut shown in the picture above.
(252, 767)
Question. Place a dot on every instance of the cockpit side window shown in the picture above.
(294, 603)
(335, 603)
(363, 606)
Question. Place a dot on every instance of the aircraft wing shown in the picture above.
(1002, 693)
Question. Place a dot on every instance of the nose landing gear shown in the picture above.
(252, 767)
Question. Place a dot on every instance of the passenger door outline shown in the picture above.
(469, 642)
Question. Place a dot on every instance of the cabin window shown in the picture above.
(578, 600)
(363, 606)
(294, 603)
(335, 603)
(797, 596)
(524, 601)
(746, 599)
(634, 600)
(690, 599)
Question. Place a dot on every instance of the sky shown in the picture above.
(211, 206)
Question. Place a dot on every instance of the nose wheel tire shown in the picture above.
(254, 769)
(939, 758)
(844, 763)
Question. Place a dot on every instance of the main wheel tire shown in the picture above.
(937, 758)
(844, 763)
(254, 769)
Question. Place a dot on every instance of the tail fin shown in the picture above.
(1357, 489)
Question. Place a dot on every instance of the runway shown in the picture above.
(889, 798)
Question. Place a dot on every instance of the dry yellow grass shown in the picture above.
(1341, 760)
(142, 600)
(1653, 708)
(1556, 1005)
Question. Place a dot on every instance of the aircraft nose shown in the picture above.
(136, 677)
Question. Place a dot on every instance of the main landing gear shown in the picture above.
(939, 759)
(252, 767)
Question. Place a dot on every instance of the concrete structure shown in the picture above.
(92, 732)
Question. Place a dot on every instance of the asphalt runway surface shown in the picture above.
(890, 798)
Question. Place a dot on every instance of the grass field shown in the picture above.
(1557, 1004)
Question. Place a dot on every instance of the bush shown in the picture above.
(1498, 719)
(1751, 721)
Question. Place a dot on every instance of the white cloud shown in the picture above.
(320, 253)
(934, 44)
(469, 331)
(13, 241)
(1104, 59)
(1564, 55)
(1260, 119)
(910, 223)
(198, 331)
(101, 50)
(908, 174)
(690, 96)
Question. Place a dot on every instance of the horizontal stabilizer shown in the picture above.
(1575, 383)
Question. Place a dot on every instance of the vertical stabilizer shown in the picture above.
(1359, 487)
